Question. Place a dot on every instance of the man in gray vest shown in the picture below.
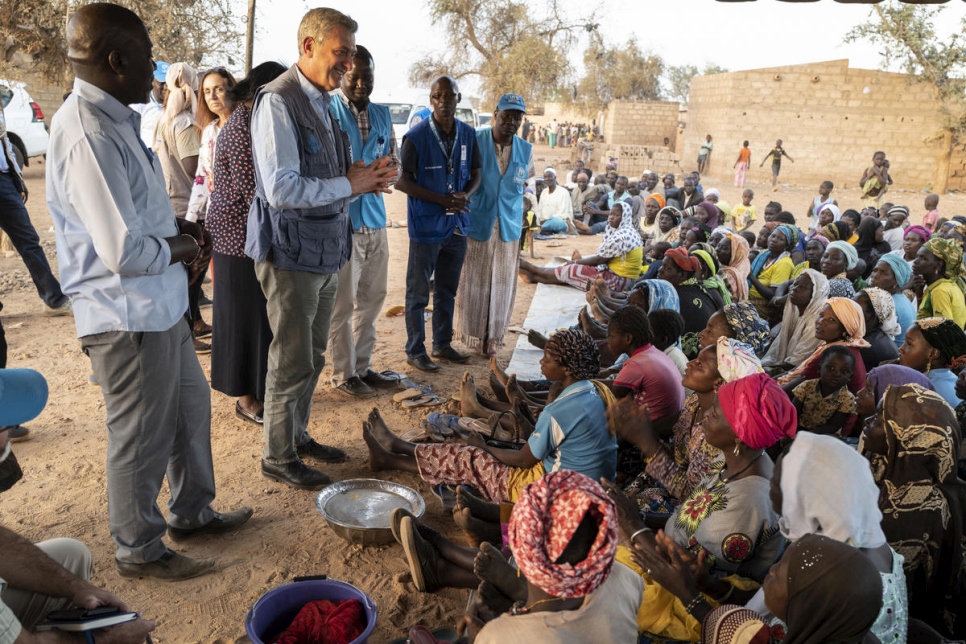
(299, 233)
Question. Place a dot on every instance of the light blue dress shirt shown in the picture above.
(276, 154)
(111, 213)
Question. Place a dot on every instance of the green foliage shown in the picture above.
(622, 72)
(199, 32)
(679, 77)
(510, 45)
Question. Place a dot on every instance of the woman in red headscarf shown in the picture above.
(728, 519)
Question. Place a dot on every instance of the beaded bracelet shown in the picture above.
(694, 604)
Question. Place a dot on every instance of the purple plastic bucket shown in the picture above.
(276, 609)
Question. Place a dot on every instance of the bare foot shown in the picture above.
(469, 403)
(379, 457)
(597, 313)
(526, 421)
(479, 508)
(495, 368)
(515, 393)
(526, 277)
(589, 326)
(476, 531)
(537, 339)
(490, 565)
(499, 391)
(492, 600)
(381, 432)
(601, 287)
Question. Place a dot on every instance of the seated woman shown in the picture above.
(563, 536)
(912, 240)
(880, 379)
(796, 340)
(728, 518)
(739, 320)
(881, 326)
(617, 260)
(696, 301)
(571, 433)
(710, 274)
(891, 274)
(824, 590)
(735, 267)
(653, 203)
(772, 267)
(912, 445)
(940, 265)
(825, 405)
(814, 251)
(937, 348)
(668, 221)
(838, 259)
(667, 326)
(674, 467)
(840, 322)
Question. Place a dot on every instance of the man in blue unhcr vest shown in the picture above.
(362, 281)
(488, 285)
(299, 233)
(440, 172)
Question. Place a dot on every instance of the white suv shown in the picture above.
(25, 122)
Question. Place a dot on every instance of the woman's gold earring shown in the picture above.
(737, 446)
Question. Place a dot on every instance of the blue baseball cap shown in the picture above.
(161, 70)
(23, 395)
(511, 102)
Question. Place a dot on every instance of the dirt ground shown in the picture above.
(63, 491)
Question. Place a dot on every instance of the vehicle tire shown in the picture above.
(18, 155)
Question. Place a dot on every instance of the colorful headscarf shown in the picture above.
(945, 336)
(661, 294)
(576, 352)
(827, 489)
(922, 499)
(737, 271)
(835, 231)
(922, 231)
(882, 377)
(736, 359)
(758, 411)
(713, 213)
(747, 325)
(836, 213)
(822, 240)
(707, 258)
(623, 239)
(791, 235)
(684, 260)
(672, 212)
(900, 268)
(950, 252)
(658, 197)
(764, 256)
(898, 210)
(834, 592)
(847, 249)
(885, 310)
(544, 521)
(850, 316)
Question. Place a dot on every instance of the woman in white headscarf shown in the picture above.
(796, 340)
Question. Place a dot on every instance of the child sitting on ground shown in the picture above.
(931, 218)
(667, 325)
(825, 405)
(743, 216)
(654, 255)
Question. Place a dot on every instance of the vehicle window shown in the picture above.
(6, 95)
(399, 112)
(465, 114)
(484, 119)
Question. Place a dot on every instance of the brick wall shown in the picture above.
(831, 119)
(641, 123)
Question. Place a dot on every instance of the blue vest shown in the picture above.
(499, 196)
(369, 209)
(428, 222)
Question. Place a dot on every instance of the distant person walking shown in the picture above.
(741, 165)
(776, 154)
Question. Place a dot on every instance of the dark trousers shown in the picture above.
(15, 221)
(446, 259)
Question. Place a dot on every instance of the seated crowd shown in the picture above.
(741, 438)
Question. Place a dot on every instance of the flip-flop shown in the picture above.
(423, 401)
(518, 329)
(421, 560)
(475, 425)
(417, 435)
(396, 311)
(406, 394)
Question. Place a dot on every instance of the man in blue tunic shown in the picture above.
(440, 172)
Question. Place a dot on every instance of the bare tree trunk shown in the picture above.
(250, 37)
(942, 163)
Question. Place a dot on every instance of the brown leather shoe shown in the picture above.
(219, 524)
(171, 566)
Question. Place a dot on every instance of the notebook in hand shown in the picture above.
(85, 620)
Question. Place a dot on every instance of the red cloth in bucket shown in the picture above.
(325, 622)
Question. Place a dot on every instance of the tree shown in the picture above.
(679, 79)
(32, 33)
(908, 37)
(623, 72)
(504, 44)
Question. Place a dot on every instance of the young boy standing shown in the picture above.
(823, 199)
(931, 217)
(743, 216)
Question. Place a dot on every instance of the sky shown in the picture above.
(734, 35)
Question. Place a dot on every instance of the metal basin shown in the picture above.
(358, 509)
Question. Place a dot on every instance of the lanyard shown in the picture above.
(450, 178)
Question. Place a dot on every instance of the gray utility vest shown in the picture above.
(319, 239)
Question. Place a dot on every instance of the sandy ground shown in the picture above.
(63, 492)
